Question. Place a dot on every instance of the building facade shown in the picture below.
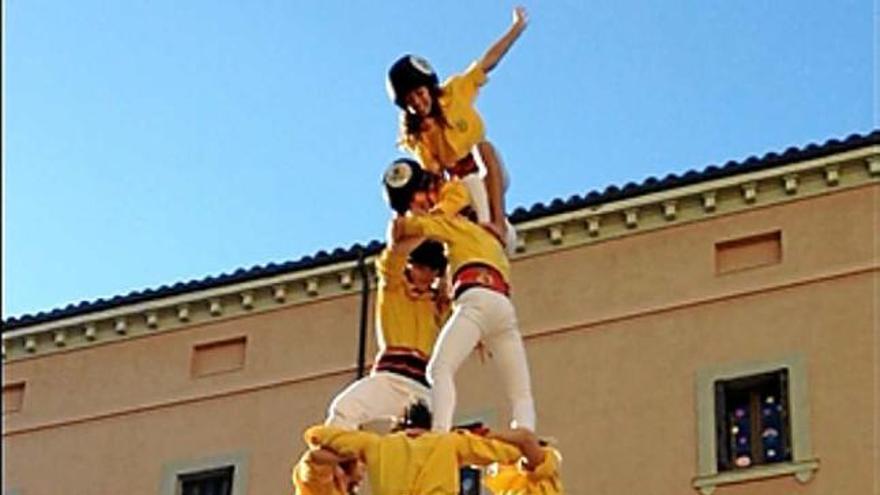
(715, 332)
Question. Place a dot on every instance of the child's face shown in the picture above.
(418, 101)
(422, 201)
(421, 277)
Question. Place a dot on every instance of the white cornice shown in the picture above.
(867, 154)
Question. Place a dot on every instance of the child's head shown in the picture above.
(425, 263)
(417, 416)
(413, 85)
(408, 187)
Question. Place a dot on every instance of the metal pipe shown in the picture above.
(365, 299)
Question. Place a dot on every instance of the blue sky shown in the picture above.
(148, 142)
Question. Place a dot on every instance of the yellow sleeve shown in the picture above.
(511, 479)
(466, 84)
(389, 267)
(435, 227)
(474, 449)
(343, 442)
(505, 479)
(453, 198)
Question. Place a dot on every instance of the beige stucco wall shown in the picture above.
(616, 332)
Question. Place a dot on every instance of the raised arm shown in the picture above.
(482, 451)
(323, 457)
(346, 443)
(495, 52)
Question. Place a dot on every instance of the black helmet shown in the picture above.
(431, 254)
(407, 74)
(402, 179)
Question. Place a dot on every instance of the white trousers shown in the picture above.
(481, 314)
(381, 395)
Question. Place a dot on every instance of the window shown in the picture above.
(224, 474)
(753, 422)
(218, 357)
(470, 481)
(748, 252)
(13, 397)
(751, 415)
(213, 482)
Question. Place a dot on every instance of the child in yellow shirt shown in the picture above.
(443, 130)
(414, 460)
(482, 309)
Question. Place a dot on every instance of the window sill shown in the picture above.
(802, 470)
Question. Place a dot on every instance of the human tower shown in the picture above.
(443, 292)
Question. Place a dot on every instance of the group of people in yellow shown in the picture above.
(443, 291)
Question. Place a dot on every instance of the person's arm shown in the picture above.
(392, 260)
(452, 199)
(346, 443)
(482, 451)
(437, 227)
(494, 182)
(526, 441)
(495, 52)
(323, 457)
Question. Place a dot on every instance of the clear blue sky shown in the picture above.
(148, 142)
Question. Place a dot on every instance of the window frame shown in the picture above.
(802, 464)
(173, 471)
(201, 476)
(750, 388)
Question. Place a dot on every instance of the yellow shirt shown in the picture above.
(512, 479)
(466, 242)
(452, 198)
(442, 146)
(310, 478)
(401, 319)
(400, 464)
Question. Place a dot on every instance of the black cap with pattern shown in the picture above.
(401, 180)
(406, 74)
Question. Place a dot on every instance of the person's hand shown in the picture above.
(520, 18)
(497, 231)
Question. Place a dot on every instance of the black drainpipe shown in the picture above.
(365, 299)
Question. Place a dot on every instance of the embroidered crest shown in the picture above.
(461, 125)
(421, 64)
(484, 278)
(398, 175)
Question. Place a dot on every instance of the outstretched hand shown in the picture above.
(520, 18)
(495, 52)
